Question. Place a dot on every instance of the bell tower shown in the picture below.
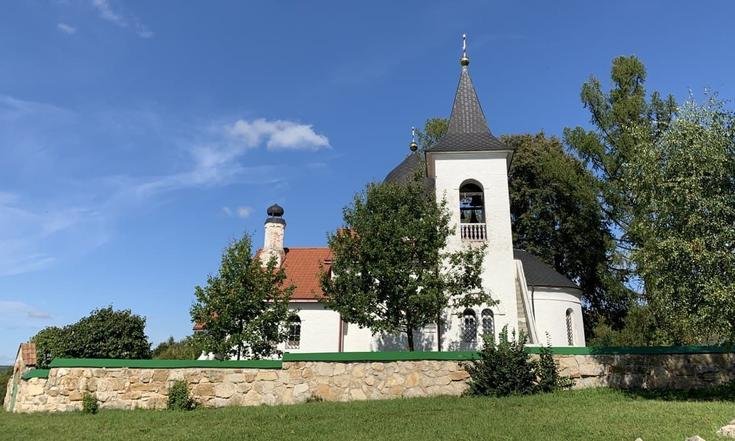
(469, 166)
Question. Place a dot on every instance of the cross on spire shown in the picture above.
(465, 60)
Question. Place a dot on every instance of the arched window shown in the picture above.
(570, 327)
(471, 203)
(293, 341)
(488, 323)
(469, 328)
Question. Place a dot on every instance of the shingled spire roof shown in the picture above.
(468, 130)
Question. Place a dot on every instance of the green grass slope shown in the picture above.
(572, 415)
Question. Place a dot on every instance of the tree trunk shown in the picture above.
(409, 334)
(439, 332)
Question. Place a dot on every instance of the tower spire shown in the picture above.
(467, 129)
(413, 146)
(465, 60)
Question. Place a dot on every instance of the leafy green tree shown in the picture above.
(611, 145)
(185, 349)
(684, 221)
(244, 308)
(556, 215)
(104, 333)
(434, 128)
(389, 271)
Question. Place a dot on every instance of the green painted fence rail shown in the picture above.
(378, 356)
(164, 364)
(35, 373)
(635, 350)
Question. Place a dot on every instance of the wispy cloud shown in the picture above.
(242, 212)
(25, 233)
(216, 155)
(15, 311)
(80, 214)
(108, 12)
(67, 29)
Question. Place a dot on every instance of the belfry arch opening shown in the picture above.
(472, 211)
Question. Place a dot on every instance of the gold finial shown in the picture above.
(413, 145)
(465, 60)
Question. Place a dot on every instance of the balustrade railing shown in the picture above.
(473, 231)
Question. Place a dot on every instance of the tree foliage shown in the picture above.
(244, 308)
(556, 215)
(185, 349)
(610, 146)
(104, 333)
(683, 184)
(5, 374)
(639, 329)
(389, 271)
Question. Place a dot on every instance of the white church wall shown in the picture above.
(357, 339)
(550, 308)
(490, 170)
(320, 328)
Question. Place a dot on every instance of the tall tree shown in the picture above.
(610, 146)
(684, 220)
(555, 215)
(390, 272)
(243, 310)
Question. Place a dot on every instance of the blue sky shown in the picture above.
(138, 137)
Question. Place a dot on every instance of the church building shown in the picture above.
(468, 167)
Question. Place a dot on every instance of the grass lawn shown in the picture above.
(597, 414)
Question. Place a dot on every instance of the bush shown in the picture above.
(506, 368)
(89, 403)
(179, 397)
(547, 373)
(104, 333)
(503, 368)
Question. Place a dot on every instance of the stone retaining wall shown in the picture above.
(296, 382)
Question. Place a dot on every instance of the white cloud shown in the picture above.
(67, 29)
(242, 212)
(278, 135)
(109, 13)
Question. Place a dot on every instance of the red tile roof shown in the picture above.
(28, 353)
(303, 268)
